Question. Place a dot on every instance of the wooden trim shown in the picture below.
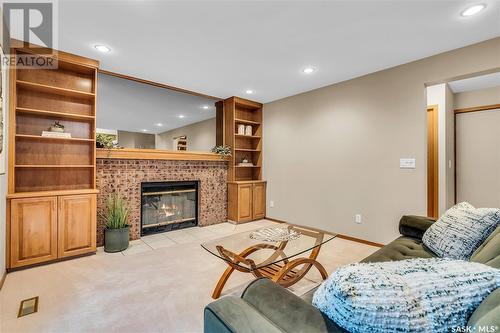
(432, 162)
(50, 193)
(247, 103)
(156, 84)
(359, 240)
(354, 239)
(478, 108)
(156, 154)
(26, 47)
(2, 280)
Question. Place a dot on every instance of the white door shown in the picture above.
(478, 158)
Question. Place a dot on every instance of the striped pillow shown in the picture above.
(461, 230)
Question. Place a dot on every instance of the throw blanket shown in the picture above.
(415, 295)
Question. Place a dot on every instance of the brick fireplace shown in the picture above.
(126, 175)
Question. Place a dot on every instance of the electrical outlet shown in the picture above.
(271, 204)
(357, 218)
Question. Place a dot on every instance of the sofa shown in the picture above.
(267, 307)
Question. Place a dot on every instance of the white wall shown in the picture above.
(200, 136)
(334, 152)
(475, 98)
(136, 140)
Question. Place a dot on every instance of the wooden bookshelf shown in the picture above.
(52, 188)
(246, 189)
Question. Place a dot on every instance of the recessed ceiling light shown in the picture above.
(249, 91)
(206, 107)
(102, 48)
(308, 70)
(473, 10)
(159, 124)
(144, 130)
(181, 116)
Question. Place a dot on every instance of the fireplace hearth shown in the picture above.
(168, 205)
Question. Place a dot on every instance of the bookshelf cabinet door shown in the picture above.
(33, 230)
(259, 201)
(76, 224)
(245, 202)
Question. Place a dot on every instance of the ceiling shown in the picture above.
(137, 107)
(476, 83)
(223, 48)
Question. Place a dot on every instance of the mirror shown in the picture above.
(132, 114)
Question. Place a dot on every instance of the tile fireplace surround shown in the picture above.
(126, 175)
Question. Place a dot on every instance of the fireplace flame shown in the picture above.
(169, 210)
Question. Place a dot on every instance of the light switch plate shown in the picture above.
(407, 163)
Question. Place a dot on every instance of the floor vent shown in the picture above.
(28, 306)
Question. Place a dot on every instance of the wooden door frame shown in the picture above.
(434, 187)
(456, 112)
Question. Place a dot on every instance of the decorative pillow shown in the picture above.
(415, 295)
(461, 230)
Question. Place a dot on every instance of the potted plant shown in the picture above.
(116, 234)
(104, 141)
(223, 151)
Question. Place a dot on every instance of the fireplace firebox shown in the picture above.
(168, 206)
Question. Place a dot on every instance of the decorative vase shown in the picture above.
(56, 129)
(241, 129)
(248, 130)
(116, 240)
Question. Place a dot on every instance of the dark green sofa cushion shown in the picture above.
(489, 252)
(233, 314)
(488, 313)
(400, 249)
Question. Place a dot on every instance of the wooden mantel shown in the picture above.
(156, 154)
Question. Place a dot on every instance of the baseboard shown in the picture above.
(274, 220)
(2, 280)
(359, 240)
(354, 239)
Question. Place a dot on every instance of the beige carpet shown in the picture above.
(160, 284)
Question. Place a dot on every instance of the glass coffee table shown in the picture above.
(269, 252)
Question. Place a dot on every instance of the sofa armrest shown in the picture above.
(233, 315)
(286, 310)
(414, 226)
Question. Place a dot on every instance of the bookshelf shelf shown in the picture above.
(50, 138)
(44, 88)
(55, 114)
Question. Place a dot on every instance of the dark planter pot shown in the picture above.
(116, 240)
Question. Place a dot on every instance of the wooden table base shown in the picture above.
(283, 272)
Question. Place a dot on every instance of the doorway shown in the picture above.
(432, 162)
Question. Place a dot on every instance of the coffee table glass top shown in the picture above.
(254, 249)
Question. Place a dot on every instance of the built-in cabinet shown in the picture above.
(49, 228)
(51, 191)
(33, 227)
(242, 120)
(246, 201)
(76, 225)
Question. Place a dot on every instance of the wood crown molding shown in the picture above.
(60, 55)
(478, 108)
(156, 84)
(155, 154)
